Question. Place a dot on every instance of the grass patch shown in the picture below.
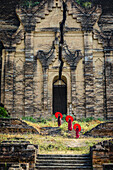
(86, 124)
(59, 144)
(64, 142)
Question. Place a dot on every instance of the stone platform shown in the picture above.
(15, 125)
(102, 130)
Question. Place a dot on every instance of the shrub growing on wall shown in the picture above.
(3, 112)
(29, 3)
(32, 3)
(85, 3)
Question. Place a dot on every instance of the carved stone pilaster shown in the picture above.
(45, 90)
(73, 87)
(28, 69)
(108, 83)
(88, 74)
(73, 59)
(105, 36)
(8, 80)
(46, 58)
(10, 73)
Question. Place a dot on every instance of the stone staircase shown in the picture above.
(59, 162)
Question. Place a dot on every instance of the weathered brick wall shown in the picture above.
(109, 85)
(21, 153)
(102, 153)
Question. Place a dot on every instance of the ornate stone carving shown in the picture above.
(10, 41)
(46, 58)
(72, 58)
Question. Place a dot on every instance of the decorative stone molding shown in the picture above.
(46, 58)
(10, 41)
(87, 18)
(72, 58)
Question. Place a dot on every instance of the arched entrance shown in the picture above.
(60, 96)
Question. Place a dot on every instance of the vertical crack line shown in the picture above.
(62, 24)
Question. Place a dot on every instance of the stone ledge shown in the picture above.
(15, 125)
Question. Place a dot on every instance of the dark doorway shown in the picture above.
(60, 97)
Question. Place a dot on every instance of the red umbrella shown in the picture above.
(69, 117)
(58, 114)
(75, 126)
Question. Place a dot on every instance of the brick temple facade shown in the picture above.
(30, 84)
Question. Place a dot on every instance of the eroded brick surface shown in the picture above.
(102, 155)
(18, 154)
(102, 130)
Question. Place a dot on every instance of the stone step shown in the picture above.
(62, 157)
(15, 168)
(64, 167)
(69, 156)
(63, 161)
(62, 164)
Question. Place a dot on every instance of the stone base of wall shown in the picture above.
(14, 166)
(102, 155)
(108, 166)
(18, 154)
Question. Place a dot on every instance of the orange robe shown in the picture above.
(70, 124)
(77, 132)
(59, 120)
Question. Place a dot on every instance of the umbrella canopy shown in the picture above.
(75, 126)
(69, 117)
(58, 114)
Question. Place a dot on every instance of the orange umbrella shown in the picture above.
(75, 126)
(58, 114)
(69, 117)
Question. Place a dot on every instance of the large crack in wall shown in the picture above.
(62, 24)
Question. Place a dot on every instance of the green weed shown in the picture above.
(3, 112)
(29, 118)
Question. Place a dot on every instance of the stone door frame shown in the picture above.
(51, 78)
(63, 85)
